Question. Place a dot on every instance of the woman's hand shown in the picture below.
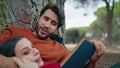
(24, 63)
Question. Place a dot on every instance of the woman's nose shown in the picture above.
(35, 52)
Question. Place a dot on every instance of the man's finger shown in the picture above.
(17, 61)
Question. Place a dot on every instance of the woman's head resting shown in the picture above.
(21, 47)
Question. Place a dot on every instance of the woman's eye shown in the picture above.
(26, 52)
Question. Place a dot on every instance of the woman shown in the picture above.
(25, 55)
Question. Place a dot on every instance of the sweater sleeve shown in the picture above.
(5, 34)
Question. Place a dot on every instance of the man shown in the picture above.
(51, 51)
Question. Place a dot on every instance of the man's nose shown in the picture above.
(47, 24)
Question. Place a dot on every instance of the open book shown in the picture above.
(80, 55)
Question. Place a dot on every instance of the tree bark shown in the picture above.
(109, 20)
(14, 9)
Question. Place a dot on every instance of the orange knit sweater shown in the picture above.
(50, 51)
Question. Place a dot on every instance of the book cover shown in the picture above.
(80, 55)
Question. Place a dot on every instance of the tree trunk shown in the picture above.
(14, 8)
(109, 20)
(109, 27)
(61, 31)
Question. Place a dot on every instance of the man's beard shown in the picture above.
(38, 35)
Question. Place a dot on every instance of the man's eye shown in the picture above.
(46, 18)
(54, 23)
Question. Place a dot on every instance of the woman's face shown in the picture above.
(25, 49)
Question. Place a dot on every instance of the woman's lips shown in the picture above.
(38, 60)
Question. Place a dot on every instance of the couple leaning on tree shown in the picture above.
(51, 51)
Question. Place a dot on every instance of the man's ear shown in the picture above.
(35, 23)
(38, 18)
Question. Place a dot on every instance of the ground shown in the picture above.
(111, 56)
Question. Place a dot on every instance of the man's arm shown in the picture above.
(6, 62)
(25, 63)
(5, 34)
(100, 50)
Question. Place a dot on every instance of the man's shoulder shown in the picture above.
(57, 38)
(10, 28)
(56, 42)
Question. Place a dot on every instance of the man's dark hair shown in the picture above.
(7, 47)
(56, 10)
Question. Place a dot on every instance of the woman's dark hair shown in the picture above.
(55, 9)
(7, 47)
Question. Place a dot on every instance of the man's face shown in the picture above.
(47, 24)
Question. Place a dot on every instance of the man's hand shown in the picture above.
(24, 63)
(100, 49)
(6, 62)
